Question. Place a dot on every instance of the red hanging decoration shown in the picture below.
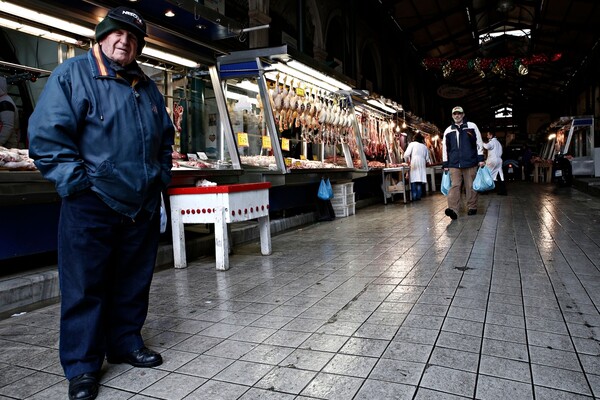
(487, 64)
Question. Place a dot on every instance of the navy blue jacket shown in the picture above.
(93, 129)
(462, 146)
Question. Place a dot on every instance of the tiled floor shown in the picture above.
(395, 302)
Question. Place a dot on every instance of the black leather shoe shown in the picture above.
(83, 387)
(142, 358)
(450, 212)
(472, 211)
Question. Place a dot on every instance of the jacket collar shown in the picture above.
(101, 65)
(461, 126)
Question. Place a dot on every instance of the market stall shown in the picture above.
(292, 124)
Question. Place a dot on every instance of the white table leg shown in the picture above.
(178, 233)
(221, 242)
(264, 226)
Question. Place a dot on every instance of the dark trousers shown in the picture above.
(416, 189)
(105, 264)
(500, 186)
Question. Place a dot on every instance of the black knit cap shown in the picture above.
(123, 18)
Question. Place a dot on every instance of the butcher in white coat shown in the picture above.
(494, 161)
(417, 155)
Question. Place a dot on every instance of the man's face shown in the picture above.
(457, 117)
(120, 46)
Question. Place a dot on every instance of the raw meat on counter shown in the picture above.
(16, 160)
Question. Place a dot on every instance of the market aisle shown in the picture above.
(395, 302)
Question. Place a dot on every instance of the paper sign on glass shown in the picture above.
(285, 144)
(266, 142)
(242, 139)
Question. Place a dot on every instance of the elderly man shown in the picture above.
(101, 133)
(462, 153)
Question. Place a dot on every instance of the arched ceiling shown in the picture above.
(562, 38)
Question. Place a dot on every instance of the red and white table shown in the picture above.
(219, 205)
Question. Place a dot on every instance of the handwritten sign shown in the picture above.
(285, 144)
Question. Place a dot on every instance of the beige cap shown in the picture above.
(457, 109)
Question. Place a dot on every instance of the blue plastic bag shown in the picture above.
(325, 190)
(446, 183)
(483, 180)
(163, 215)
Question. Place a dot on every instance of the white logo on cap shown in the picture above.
(133, 15)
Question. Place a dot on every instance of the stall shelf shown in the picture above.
(395, 182)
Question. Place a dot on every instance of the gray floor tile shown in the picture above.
(449, 380)
(217, 390)
(505, 368)
(503, 349)
(493, 388)
(324, 342)
(174, 387)
(350, 365)
(307, 359)
(380, 390)
(544, 393)
(398, 371)
(244, 373)
(289, 380)
(429, 394)
(457, 359)
(267, 354)
(29, 385)
(205, 366)
(136, 379)
(262, 394)
(365, 347)
(327, 386)
(554, 358)
(406, 351)
(560, 379)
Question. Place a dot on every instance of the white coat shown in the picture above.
(494, 158)
(418, 155)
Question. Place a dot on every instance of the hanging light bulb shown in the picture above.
(523, 69)
(403, 119)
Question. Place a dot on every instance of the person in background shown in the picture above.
(101, 133)
(417, 155)
(494, 162)
(462, 153)
(9, 118)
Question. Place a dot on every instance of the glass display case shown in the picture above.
(286, 116)
(203, 136)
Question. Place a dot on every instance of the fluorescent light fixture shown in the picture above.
(161, 55)
(246, 84)
(310, 76)
(49, 21)
(319, 75)
(513, 32)
(381, 106)
(25, 13)
(241, 97)
(31, 30)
